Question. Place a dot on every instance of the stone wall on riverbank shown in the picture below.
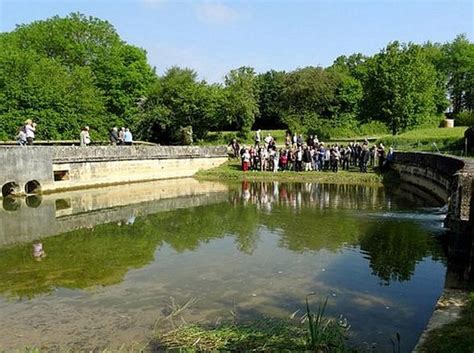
(447, 178)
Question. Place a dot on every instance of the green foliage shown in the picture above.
(400, 88)
(175, 100)
(459, 67)
(465, 118)
(240, 105)
(271, 85)
(69, 72)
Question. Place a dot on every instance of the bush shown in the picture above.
(464, 119)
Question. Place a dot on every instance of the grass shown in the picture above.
(259, 335)
(232, 171)
(323, 334)
(456, 337)
(432, 140)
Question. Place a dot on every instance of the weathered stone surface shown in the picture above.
(447, 178)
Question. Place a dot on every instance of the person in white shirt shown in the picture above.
(30, 129)
(85, 137)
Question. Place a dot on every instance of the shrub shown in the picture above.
(464, 119)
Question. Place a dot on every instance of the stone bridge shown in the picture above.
(445, 178)
(27, 170)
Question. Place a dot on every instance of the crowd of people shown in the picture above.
(310, 155)
(26, 135)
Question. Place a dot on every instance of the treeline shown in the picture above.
(69, 72)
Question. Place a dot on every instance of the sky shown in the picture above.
(213, 37)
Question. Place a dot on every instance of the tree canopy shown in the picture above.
(68, 72)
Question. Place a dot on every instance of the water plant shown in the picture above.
(325, 334)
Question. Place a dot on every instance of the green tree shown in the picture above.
(240, 103)
(400, 88)
(459, 66)
(178, 100)
(96, 78)
(270, 84)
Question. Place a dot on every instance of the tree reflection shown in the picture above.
(394, 248)
(307, 217)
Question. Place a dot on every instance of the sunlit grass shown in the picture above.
(232, 171)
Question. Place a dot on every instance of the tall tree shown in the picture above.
(240, 106)
(84, 49)
(400, 88)
(459, 65)
(270, 84)
(179, 100)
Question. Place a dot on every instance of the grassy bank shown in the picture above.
(431, 140)
(457, 336)
(231, 171)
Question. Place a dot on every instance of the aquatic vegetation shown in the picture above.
(324, 334)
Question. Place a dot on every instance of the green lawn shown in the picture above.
(433, 139)
(232, 171)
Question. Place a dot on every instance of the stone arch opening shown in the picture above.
(32, 187)
(9, 189)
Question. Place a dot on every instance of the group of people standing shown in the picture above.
(121, 137)
(312, 155)
(26, 135)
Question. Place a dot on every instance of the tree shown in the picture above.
(270, 86)
(67, 72)
(400, 88)
(178, 100)
(459, 66)
(240, 104)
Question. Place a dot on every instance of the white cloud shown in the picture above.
(216, 13)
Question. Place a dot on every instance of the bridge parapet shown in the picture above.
(52, 168)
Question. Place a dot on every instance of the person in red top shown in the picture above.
(283, 160)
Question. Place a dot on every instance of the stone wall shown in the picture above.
(448, 179)
(54, 168)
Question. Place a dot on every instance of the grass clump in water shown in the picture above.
(322, 334)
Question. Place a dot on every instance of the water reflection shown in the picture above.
(298, 195)
(306, 217)
(263, 246)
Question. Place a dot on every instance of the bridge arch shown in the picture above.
(10, 188)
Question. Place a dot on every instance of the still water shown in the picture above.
(114, 262)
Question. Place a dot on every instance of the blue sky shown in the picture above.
(213, 37)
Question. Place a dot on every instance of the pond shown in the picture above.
(104, 267)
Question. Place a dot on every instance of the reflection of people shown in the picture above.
(38, 251)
